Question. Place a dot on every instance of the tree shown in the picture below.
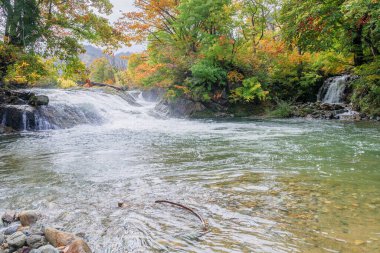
(21, 20)
(340, 25)
(101, 71)
(55, 27)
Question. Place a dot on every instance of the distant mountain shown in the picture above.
(93, 53)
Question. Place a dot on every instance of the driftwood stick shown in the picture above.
(204, 222)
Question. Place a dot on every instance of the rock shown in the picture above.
(38, 100)
(12, 229)
(8, 217)
(58, 238)
(18, 117)
(153, 95)
(17, 240)
(24, 250)
(28, 218)
(36, 241)
(47, 249)
(180, 107)
(2, 238)
(349, 116)
(78, 246)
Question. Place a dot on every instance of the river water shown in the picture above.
(263, 185)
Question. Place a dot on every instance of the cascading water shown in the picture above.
(68, 108)
(333, 89)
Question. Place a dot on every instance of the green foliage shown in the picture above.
(208, 74)
(366, 92)
(27, 70)
(343, 25)
(249, 91)
(283, 109)
(74, 69)
(66, 83)
(102, 71)
(22, 26)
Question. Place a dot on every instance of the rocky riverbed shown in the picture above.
(23, 233)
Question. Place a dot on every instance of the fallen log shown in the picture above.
(204, 222)
(104, 85)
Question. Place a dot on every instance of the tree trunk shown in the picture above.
(357, 43)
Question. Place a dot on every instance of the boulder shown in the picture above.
(78, 246)
(16, 240)
(36, 241)
(18, 117)
(58, 238)
(180, 107)
(28, 218)
(38, 100)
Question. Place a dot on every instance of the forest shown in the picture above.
(234, 52)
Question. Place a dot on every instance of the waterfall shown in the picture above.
(333, 89)
(69, 108)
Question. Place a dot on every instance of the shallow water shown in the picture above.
(263, 185)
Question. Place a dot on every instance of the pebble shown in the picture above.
(359, 242)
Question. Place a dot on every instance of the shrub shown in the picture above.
(250, 90)
(208, 74)
(283, 110)
(66, 83)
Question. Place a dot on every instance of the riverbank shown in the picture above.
(312, 110)
(23, 233)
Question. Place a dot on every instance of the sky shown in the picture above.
(121, 6)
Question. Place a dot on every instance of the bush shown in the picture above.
(27, 70)
(208, 74)
(250, 90)
(66, 83)
(283, 110)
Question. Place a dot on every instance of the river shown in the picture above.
(263, 185)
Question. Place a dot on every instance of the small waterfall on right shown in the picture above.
(333, 89)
